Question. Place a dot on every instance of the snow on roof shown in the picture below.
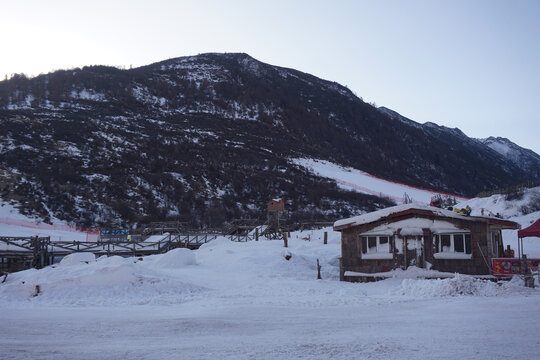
(413, 227)
(412, 231)
(379, 214)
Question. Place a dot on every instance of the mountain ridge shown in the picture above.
(206, 138)
(524, 158)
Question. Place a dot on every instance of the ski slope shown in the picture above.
(12, 223)
(357, 180)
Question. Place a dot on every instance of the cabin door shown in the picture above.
(414, 251)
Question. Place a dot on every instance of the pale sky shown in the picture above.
(471, 64)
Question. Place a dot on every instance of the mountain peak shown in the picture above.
(524, 158)
(207, 138)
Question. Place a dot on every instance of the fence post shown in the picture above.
(256, 234)
(285, 241)
(325, 238)
(529, 279)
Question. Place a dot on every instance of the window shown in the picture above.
(452, 246)
(364, 245)
(459, 246)
(376, 247)
(495, 243)
(445, 243)
(372, 244)
(384, 244)
(468, 243)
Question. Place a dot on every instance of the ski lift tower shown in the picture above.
(275, 207)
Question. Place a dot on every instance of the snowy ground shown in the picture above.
(246, 301)
(445, 328)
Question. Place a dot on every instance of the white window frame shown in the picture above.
(439, 252)
(382, 251)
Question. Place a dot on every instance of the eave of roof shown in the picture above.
(402, 210)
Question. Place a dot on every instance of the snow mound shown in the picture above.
(78, 259)
(460, 285)
(176, 258)
(112, 260)
(112, 281)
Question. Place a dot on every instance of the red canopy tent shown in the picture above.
(533, 230)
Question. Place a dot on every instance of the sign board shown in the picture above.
(118, 235)
(512, 266)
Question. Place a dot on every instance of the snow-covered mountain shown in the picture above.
(525, 159)
(208, 138)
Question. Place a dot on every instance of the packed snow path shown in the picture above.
(447, 328)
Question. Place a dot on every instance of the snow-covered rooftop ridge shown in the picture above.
(379, 214)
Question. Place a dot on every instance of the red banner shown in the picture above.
(511, 266)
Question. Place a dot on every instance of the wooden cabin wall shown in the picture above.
(478, 264)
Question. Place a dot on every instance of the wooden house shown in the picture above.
(422, 236)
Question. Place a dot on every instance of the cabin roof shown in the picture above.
(422, 210)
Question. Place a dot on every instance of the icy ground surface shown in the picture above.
(246, 301)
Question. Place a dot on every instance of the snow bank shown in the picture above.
(176, 258)
(78, 259)
(108, 281)
(460, 285)
(223, 273)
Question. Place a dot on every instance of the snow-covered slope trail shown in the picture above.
(12, 223)
(357, 180)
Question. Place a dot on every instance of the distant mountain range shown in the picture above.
(527, 160)
(209, 138)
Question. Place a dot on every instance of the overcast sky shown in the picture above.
(471, 64)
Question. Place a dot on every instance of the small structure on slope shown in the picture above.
(422, 236)
(273, 224)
